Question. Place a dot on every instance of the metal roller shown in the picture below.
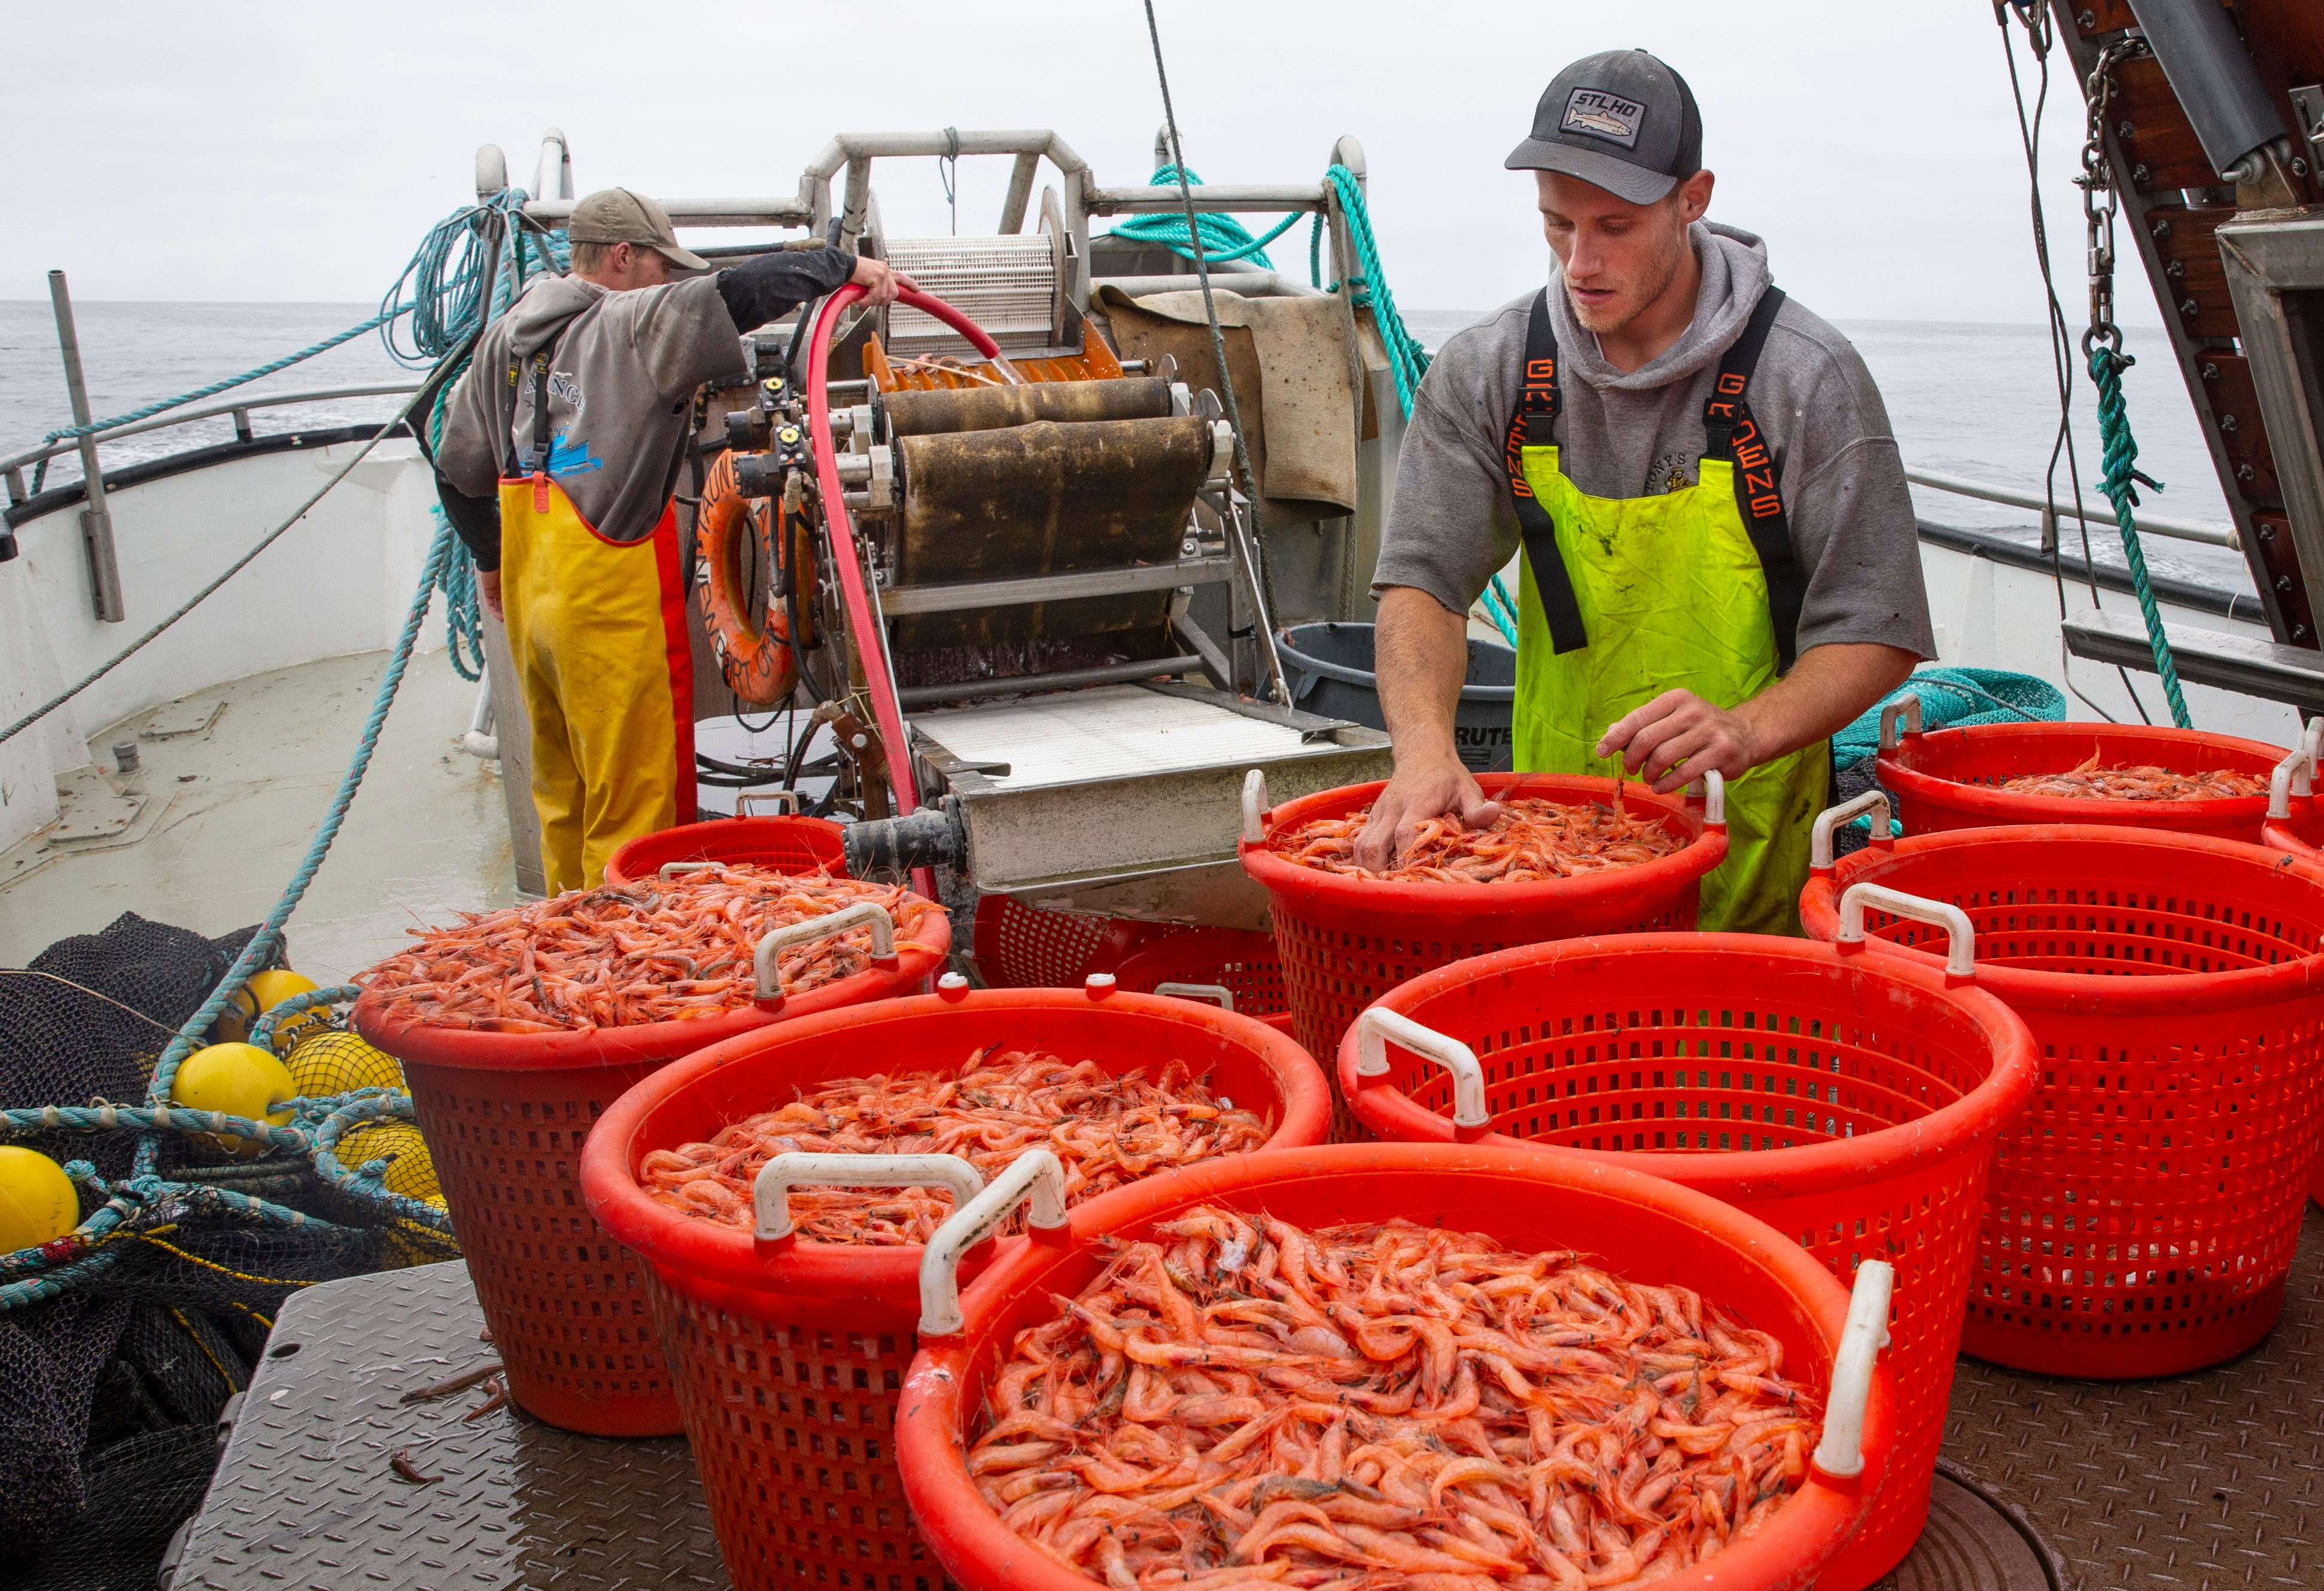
(1046, 497)
(939, 412)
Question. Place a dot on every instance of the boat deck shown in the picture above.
(233, 782)
(2196, 1483)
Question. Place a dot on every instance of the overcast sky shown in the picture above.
(241, 152)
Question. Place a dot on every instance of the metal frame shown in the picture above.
(2135, 207)
(2268, 255)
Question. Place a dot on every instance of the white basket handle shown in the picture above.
(1960, 949)
(1714, 801)
(788, 800)
(771, 1194)
(672, 869)
(1377, 1026)
(1034, 1174)
(1820, 837)
(1218, 993)
(1840, 1453)
(862, 913)
(1909, 706)
(2296, 773)
(1254, 806)
(2290, 779)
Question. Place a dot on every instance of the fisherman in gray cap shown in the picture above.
(1719, 564)
(560, 450)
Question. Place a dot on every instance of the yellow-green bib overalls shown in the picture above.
(1645, 594)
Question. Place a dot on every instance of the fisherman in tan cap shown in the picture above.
(561, 449)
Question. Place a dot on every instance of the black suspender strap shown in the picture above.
(541, 432)
(1534, 426)
(1728, 429)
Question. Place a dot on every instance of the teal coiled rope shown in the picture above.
(1223, 237)
(1408, 360)
(447, 274)
(2120, 483)
(525, 253)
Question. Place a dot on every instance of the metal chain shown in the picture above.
(2100, 202)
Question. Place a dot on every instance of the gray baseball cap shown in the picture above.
(617, 216)
(1623, 120)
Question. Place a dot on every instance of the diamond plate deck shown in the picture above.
(2207, 1482)
(306, 1496)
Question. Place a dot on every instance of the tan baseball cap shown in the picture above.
(617, 216)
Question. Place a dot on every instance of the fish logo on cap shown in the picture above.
(1603, 115)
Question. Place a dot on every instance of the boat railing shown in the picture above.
(2100, 512)
(240, 408)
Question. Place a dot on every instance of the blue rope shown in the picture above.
(262, 1032)
(445, 306)
(1224, 237)
(2120, 483)
(263, 943)
(442, 307)
(1501, 610)
(1408, 360)
(464, 621)
(40, 470)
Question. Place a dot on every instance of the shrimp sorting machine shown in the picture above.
(1002, 526)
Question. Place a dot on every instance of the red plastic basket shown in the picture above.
(1849, 1101)
(1647, 1231)
(2142, 1216)
(786, 844)
(1019, 946)
(505, 1116)
(1950, 779)
(1241, 962)
(2303, 838)
(1345, 941)
(788, 1357)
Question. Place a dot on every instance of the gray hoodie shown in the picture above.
(1843, 485)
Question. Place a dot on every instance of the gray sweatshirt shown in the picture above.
(1636, 435)
(621, 387)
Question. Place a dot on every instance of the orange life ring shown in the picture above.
(756, 663)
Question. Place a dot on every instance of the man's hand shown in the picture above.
(488, 592)
(1416, 794)
(1679, 727)
(880, 281)
(1823, 693)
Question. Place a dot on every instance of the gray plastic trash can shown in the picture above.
(1329, 669)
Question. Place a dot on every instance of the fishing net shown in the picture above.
(1956, 698)
(110, 1393)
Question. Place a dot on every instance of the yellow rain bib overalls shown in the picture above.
(1696, 589)
(597, 628)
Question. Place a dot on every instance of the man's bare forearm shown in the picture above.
(1420, 656)
(1828, 689)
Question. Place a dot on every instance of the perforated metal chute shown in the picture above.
(1010, 286)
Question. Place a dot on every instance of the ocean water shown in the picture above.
(1966, 400)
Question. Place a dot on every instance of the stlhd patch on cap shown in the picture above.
(1603, 115)
(1622, 120)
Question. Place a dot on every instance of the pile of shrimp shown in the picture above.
(675, 950)
(1366, 1408)
(1531, 840)
(1105, 1130)
(2143, 783)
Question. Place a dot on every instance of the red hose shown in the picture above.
(887, 705)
